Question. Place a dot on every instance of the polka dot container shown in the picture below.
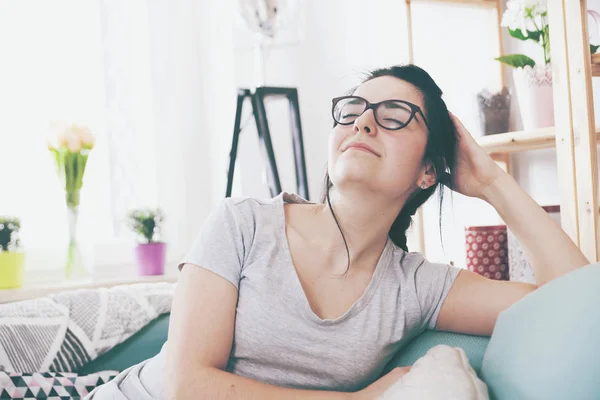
(487, 251)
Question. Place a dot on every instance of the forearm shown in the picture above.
(215, 384)
(549, 249)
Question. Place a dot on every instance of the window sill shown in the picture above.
(41, 283)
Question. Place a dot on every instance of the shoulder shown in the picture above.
(247, 209)
(248, 214)
(415, 266)
(254, 209)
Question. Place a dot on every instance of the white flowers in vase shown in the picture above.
(70, 145)
(528, 20)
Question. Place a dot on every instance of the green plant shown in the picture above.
(146, 223)
(528, 20)
(70, 145)
(9, 233)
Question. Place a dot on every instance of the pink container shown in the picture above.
(487, 251)
(151, 258)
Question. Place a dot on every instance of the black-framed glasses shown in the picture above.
(389, 114)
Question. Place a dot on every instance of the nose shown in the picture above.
(366, 123)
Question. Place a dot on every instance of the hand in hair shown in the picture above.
(474, 170)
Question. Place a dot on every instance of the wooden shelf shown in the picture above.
(595, 64)
(514, 142)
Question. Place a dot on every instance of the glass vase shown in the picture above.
(74, 267)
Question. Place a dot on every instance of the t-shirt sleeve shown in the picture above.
(433, 282)
(219, 247)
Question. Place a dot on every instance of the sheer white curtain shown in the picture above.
(153, 80)
(130, 135)
(51, 68)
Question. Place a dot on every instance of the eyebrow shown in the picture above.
(397, 104)
(394, 104)
(355, 101)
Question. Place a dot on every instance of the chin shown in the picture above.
(353, 174)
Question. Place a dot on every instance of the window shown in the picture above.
(83, 62)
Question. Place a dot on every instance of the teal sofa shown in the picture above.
(546, 346)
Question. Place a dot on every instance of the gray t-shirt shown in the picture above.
(278, 339)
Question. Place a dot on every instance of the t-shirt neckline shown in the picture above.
(361, 302)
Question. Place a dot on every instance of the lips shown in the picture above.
(362, 146)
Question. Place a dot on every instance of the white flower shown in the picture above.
(73, 142)
(85, 135)
(525, 15)
(535, 6)
(70, 136)
(57, 134)
(514, 16)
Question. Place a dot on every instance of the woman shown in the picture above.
(285, 299)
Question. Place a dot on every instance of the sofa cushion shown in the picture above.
(474, 347)
(443, 373)
(50, 385)
(142, 345)
(546, 346)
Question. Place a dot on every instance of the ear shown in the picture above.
(427, 177)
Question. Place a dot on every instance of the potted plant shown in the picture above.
(527, 20)
(150, 252)
(11, 258)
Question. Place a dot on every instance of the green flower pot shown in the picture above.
(11, 269)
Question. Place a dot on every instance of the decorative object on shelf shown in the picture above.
(528, 20)
(594, 30)
(535, 96)
(494, 111)
(70, 145)
(487, 251)
(150, 252)
(12, 257)
(519, 268)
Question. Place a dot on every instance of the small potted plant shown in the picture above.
(527, 20)
(11, 257)
(150, 252)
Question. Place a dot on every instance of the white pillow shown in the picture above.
(443, 373)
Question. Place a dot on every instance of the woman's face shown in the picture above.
(395, 166)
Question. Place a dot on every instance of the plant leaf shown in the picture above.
(535, 36)
(594, 48)
(516, 60)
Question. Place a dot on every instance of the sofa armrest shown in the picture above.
(142, 345)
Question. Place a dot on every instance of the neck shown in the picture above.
(365, 220)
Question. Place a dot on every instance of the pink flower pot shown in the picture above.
(487, 251)
(151, 258)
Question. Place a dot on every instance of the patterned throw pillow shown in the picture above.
(50, 385)
(64, 331)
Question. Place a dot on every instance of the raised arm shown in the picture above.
(474, 302)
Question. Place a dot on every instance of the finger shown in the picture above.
(460, 128)
(463, 133)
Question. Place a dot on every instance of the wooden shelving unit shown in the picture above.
(595, 64)
(574, 136)
(515, 142)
